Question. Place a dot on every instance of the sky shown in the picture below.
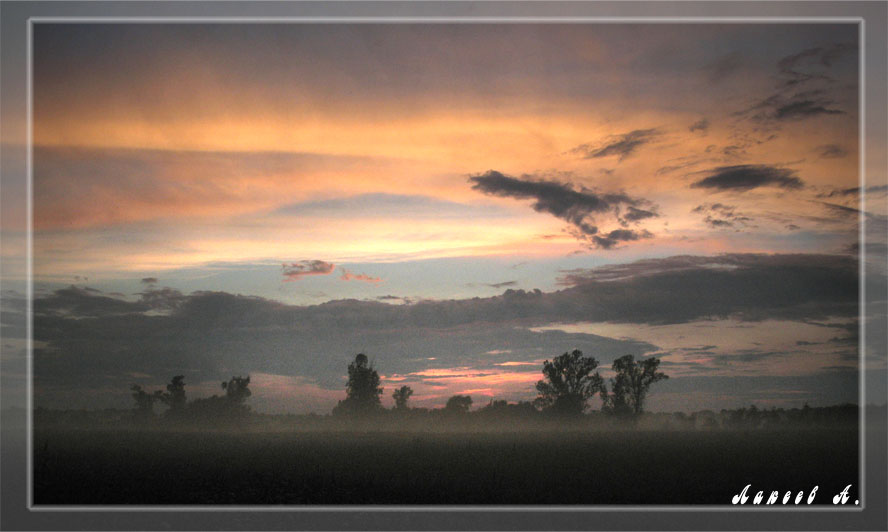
(458, 201)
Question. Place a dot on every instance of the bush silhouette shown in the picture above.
(459, 404)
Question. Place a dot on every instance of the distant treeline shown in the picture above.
(495, 415)
(568, 384)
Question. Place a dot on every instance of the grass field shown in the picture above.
(622, 467)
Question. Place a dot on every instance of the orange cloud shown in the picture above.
(349, 276)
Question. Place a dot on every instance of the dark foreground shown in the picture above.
(80, 467)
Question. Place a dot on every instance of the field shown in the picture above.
(136, 467)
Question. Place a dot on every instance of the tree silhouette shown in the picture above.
(401, 396)
(568, 384)
(630, 386)
(458, 404)
(227, 408)
(362, 389)
(144, 402)
(175, 396)
(236, 389)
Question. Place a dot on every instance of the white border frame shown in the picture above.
(861, 23)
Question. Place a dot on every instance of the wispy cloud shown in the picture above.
(831, 151)
(805, 86)
(854, 191)
(720, 216)
(617, 145)
(809, 64)
(502, 284)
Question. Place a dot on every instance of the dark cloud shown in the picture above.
(805, 87)
(502, 284)
(731, 268)
(577, 207)
(91, 303)
(841, 209)
(700, 125)
(747, 177)
(809, 64)
(86, 339)
(621, 145)
(720, 216)
(875, 222)
(782, 107)
(634, 214)
(831, 151)
(149, 280)
(610, 240)
(75, 301)
(745, 355)
(877, 249)
(804, 108)
(670, 290)
(854, 191)
(297, 270)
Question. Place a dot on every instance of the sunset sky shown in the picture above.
(458, 201)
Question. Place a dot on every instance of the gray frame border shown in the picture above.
(471, 517)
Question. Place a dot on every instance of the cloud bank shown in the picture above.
(88, 339)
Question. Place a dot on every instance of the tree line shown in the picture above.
(567, 386)
(569, 382)
(230, 405)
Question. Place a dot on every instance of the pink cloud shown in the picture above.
(349, 276)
